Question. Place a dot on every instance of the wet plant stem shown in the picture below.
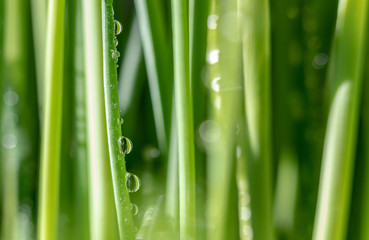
(117, 159)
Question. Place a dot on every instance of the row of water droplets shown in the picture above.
(115, 54)
(133, 183)
(10, 140)
(212, 55)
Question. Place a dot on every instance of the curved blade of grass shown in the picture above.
(117, 159)
(339, 148)
(103, 224)
(158, 61)
(51, 136)
(256, 68)
(183, 103)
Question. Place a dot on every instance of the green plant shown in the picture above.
(247, 120)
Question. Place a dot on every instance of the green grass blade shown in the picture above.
(225, 84)
(130, 68)
(51, 136)
(364, 207)
(157, 53)
(256, 68)
(117, 159)
(9, 85)
(103, 223)
(183, 103)
(199, 11)
(340, 143)
(39, 19)
(81, 192)
(172, 188)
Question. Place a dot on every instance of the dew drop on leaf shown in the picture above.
(115, 54)
(134, 209)
(117, 27)
(125, 145)
(9, 141)
(133, 183)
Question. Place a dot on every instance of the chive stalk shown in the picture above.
(256, 68)
(103, 221)
(51, 136)
(117, 158)
(184, 118)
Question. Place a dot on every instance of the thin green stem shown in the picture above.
(171, 200)
(117, 159)
(103, 224)
(157, 53)
(39, 17)
(51, 136)
(183, 103)
(364, 217)
(225, 84)
(256, 68)
(199, 11)
(345, 78)
(81, 208)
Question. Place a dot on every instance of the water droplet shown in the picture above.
(210, 131)
(212, 21)
(245, 214)
(150, 153)
(120, 121)
(133, 183)
(126, 221)
(115, 54)
(247, 231)
(134, 209)
(11, 98)
(115, 41)
(212, 57)
(9, 141)
(215, 84)
(117, 27)
(320, 60)
(125, 145)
